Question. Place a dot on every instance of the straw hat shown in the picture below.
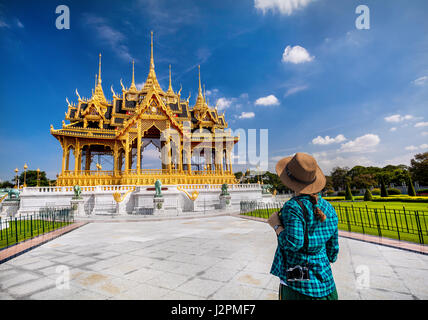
(301, 173)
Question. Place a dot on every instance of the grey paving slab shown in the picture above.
(219, 257)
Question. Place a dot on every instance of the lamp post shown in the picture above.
(16, 178)
(25, 175)
(38, 177)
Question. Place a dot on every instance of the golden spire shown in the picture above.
(133, 87)
(99, 71)
(152, 81)
(200, 99)
(200, 90)
(170, 91)
(98, 93)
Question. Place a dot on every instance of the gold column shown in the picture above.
(139, 147)
(127, 154)
(88, 159)
(115, 159)
(189, 160)
(67, 159)
(180, 158)
(76, 157)
(63, 160)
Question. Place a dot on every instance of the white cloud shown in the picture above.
(223, 103)
(296, 55)
(420, 81)
(294, 90)
(110, 36)
(286, 7)
(398, 118)
(3, 24)
(247, 115)
(328, 160)
(19, 23)
(327, 140)
(393, 129)
(140, 85)
(270, 100)
(211, 92)
(364, 143)
(413, 148)
(421, 124)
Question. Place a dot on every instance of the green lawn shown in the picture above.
(26, 229)
(397, 220)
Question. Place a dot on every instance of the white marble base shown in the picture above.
(99, 200)
(78, 207)
(158, 205)
(10, 208)
(225, 202)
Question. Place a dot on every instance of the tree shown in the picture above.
(383, 191)
(368, 195)
(419, 168)
(339, 177)
(31, 178)
(238, 175)
(410, 188)
(348, 193)
(6, 184)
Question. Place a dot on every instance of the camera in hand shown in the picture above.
(298, 273)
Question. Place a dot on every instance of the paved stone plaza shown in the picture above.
(222, 257)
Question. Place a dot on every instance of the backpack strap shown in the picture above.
(306, 237)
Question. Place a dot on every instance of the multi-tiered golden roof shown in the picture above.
(194, 146)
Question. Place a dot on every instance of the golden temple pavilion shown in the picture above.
(193, 143)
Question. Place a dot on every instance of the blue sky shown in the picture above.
(305, 72)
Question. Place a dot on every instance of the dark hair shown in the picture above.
(317, 211)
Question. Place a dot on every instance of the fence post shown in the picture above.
(16, 230)
(7, 237)
(361, 218)
(267, 210)
(396, 223)
(347, 219)
(377, 222)
(386, 217)
(405, 219)
(418, 224)
(368, 216)
(31, 225)
(1, 230)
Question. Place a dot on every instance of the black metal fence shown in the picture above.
(25, 227)
(401, 224)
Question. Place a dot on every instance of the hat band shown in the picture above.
(290, 175)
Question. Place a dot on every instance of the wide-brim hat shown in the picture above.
(301, 173)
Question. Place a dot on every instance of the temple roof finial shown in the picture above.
(133, 78)
(99, 71)
(152, 61)
(200, 90)
(151, 78)
(170, 82)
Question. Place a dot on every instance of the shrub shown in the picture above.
(401, 199)
(341, 193)
(330, 192)
(393, 191)
(375, 192)
(368, 195)
(355, 192)
(383, 191)
(422, 192)
(348, 193)
(410, 188)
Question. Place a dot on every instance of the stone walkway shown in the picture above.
(221, 257)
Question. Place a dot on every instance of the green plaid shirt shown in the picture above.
(323, 246)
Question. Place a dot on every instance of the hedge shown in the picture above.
(402, 199)
(393, 191)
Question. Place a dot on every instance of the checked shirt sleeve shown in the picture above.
(332, 247)
(292, 237)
